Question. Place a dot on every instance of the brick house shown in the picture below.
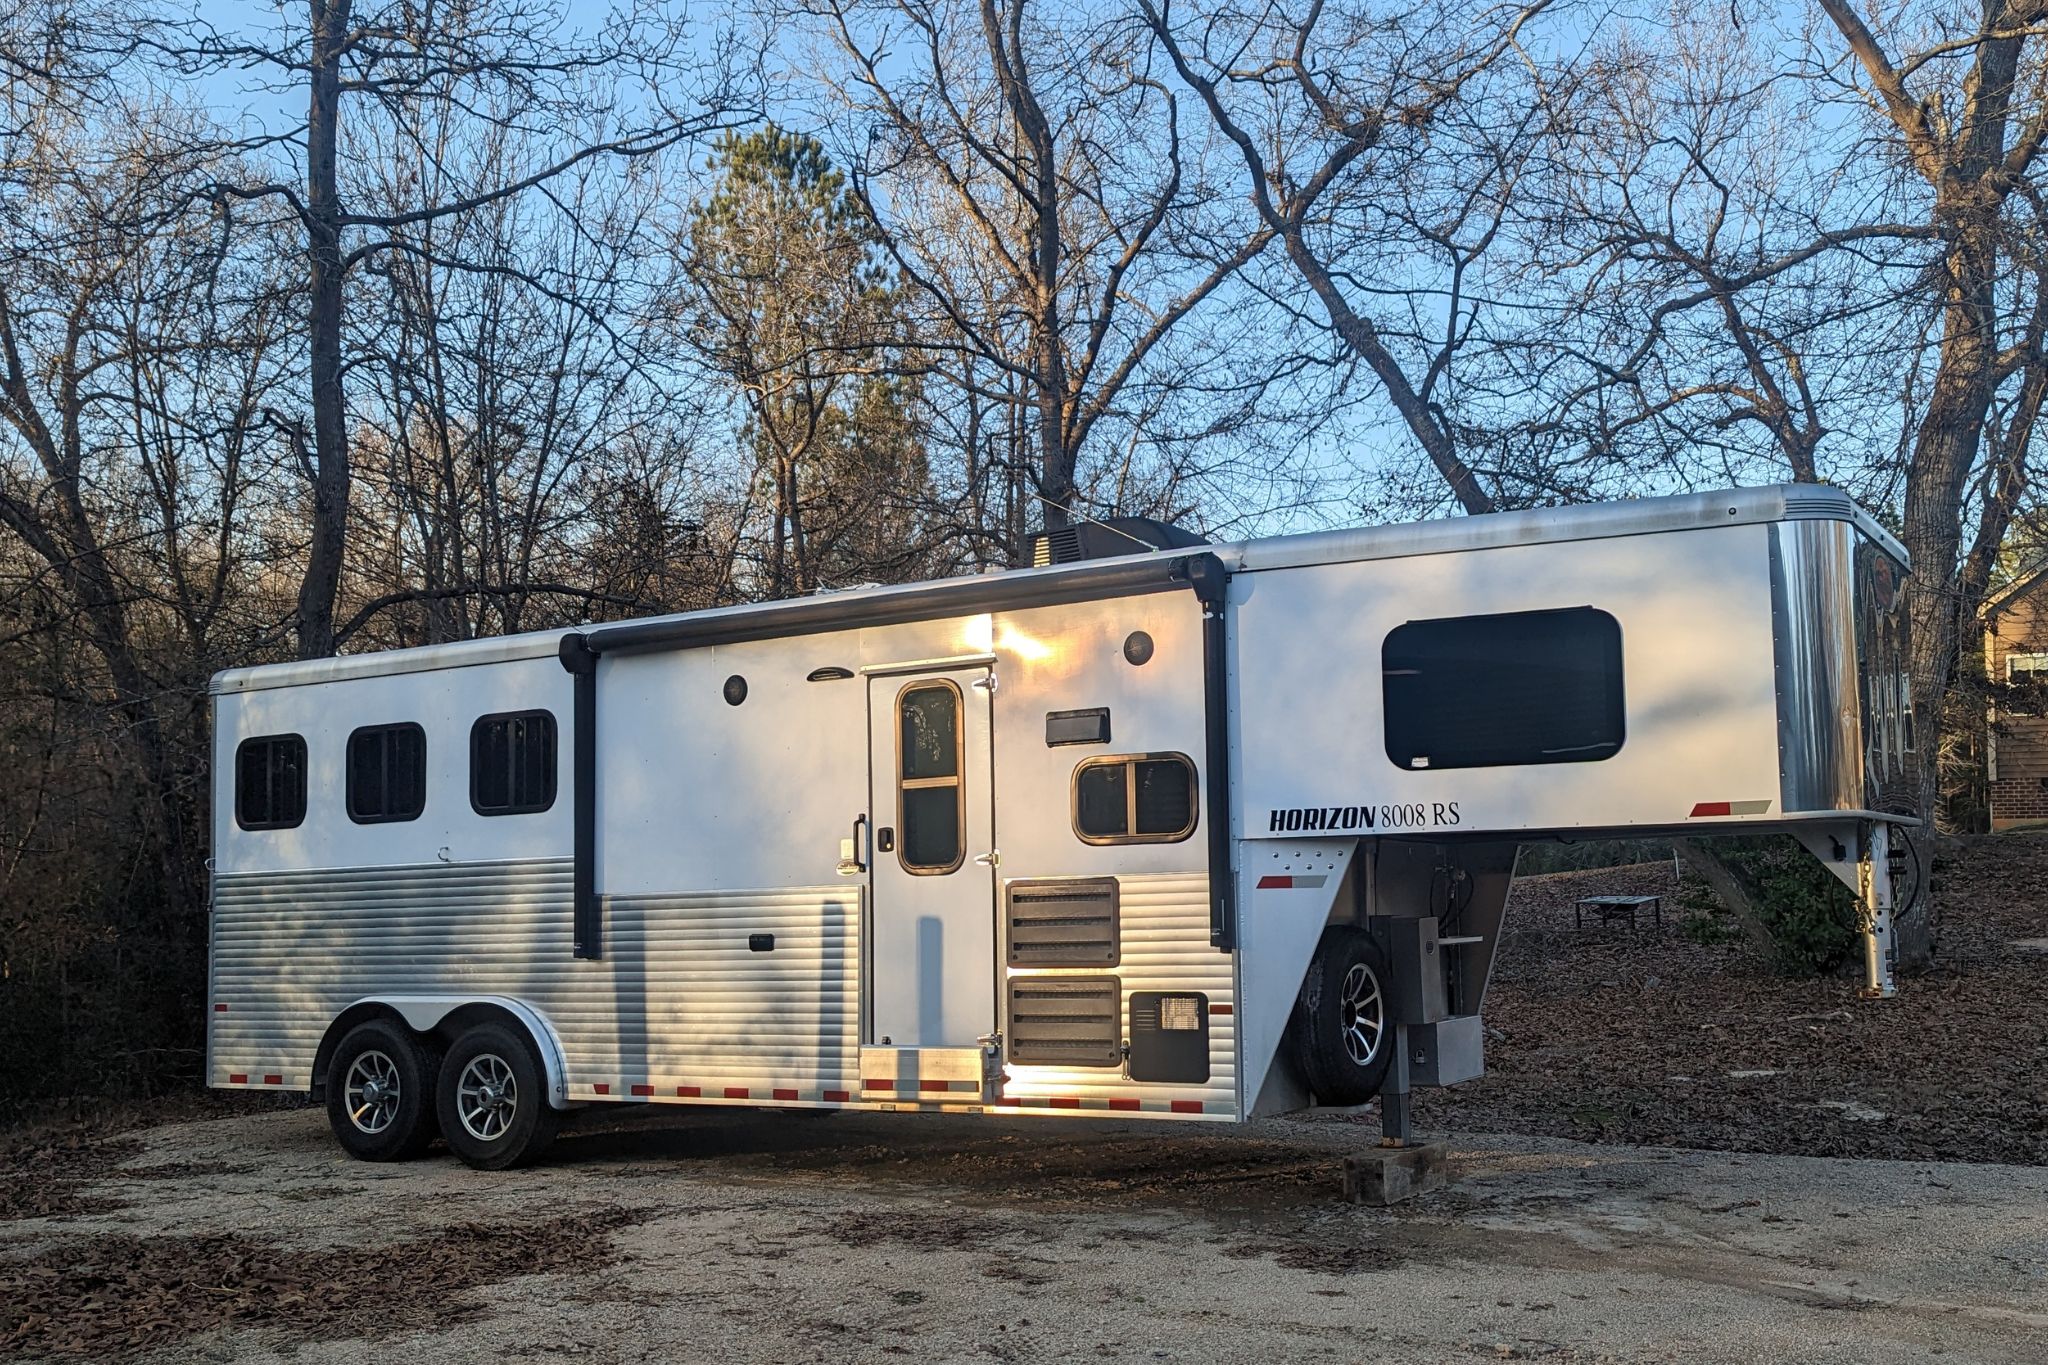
(2016, 749)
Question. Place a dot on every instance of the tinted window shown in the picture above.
(387, 773)
(928, 778)
(1138, 798)
(1493, 691)
(270, 782)
(512, 763)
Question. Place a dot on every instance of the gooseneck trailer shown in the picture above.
(1194, 833)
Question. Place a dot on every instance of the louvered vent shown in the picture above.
(1068, 923)
(1056, 547)
(1065, 1021)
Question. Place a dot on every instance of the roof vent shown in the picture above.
(1104, 539)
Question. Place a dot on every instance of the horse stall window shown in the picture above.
(387, 773)
(270, 782)
(1514, 688)
(512, 763)
(1135, 799)
(931, 800)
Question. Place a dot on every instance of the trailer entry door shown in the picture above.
(932, 934)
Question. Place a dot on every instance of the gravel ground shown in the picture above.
(742, 1236)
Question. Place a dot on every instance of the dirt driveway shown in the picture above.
(739, 1236)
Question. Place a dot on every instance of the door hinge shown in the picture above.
(992, 858)
(986, 682)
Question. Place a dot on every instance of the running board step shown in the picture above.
(932, 1074)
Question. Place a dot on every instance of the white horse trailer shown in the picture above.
(1195, 834)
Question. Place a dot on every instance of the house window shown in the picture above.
(1135, 799)
(270, 782)
(1515, 688)
(387, 773)
(512, 763)
(930, 797)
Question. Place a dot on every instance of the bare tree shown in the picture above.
(513, 63)
(1384, 153)
(1035, 185)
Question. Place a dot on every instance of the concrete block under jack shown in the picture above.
(1389, 1175)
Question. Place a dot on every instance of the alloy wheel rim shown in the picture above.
(1362, 1011)
(371, 1091)
(487, 1097)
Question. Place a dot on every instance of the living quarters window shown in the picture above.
(387, 773)
(930, 797)
(1134, 799)
(512, 763)
(1495, 691)
(270, 782)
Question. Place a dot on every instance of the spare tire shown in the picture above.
(1341, 1034)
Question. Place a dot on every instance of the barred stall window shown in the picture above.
(270, 782)
(387, 773)
(1504, 690)
(512, 763)
(1135, 799)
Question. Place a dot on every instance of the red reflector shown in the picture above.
(1064, 1102)
(689, 1092)
(785, 1094)
(1010, 1102)
(837, 1096)
(643, 1090)
(934, 1085)
(273, 1080)
(601, 1089)
(1219, 1009)
(1711, 808)
(1187, 1106)
(737, 1092)
(876, 1083)
(1276, 883)
(238, 1078)
(220, 1009)
(1123, 1104)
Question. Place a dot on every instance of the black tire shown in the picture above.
(380, 1092)
(1342, 1033)
(493, 1099)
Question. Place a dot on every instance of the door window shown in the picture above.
(931, 801)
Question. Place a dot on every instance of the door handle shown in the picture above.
(885, 839)
(853, 852)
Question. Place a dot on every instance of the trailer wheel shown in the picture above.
(1341, 1033)
(380, 1092)
(493, 1099)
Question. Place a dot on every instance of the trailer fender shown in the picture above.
(1289, 892)
(425, 1013)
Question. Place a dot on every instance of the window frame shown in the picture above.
(305, 785)
(958, 781)
(555, 750)
(1131, 761)
(1618, 680)
(348, 771)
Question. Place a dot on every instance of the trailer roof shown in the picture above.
(1152, 571)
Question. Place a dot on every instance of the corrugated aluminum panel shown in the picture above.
(679, 999)
(1164, 933)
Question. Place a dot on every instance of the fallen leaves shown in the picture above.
(113, 1294)
(1727, 1055)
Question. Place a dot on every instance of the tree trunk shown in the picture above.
(1728, 884)
(1944, 453)
(321, 585)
